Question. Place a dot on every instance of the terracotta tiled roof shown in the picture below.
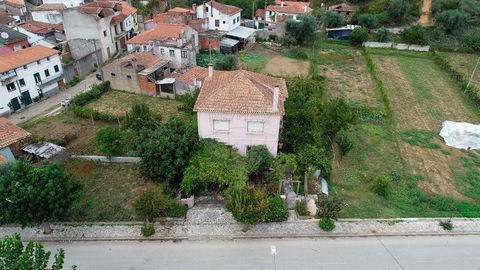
(197, 72)
(37, 27)
(127, 9)
(101, 8)
(47, 7)
(260, 13)
(145, 59)
(4, 18)
(179, 10)
(225, 9)
(291, 7)
(25, 56)
(15, 3)
(344, 7)
(5, 50)
(10, 133)
(240, 91)
(160, 33)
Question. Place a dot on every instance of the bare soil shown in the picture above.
(426, 12)
(279, 65)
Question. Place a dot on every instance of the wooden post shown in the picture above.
(91, 116)
(305, 185)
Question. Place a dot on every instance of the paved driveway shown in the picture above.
(52, 102)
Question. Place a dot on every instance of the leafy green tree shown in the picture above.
(141, 117)
(304, 29)
(333, 19)
(336, 115)
(382, 35)
(227, 62)
(110, 141)
(311, 158)
(452, 20)
(188, 101)
(166, 151)
(15, 255)
(258, 159)
(414, 35)
(214, 164)
(398, 9)
(368, 21)
(359, 35)
(35, 194)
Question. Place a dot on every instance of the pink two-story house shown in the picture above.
(241, 108)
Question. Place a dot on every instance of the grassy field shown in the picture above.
(428, 178)
(108, 190)
(465, 63)
(273, 62)
(120, 102)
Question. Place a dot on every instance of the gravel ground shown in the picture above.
(213, 222)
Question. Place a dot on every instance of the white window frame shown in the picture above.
(251, 128)
(221, 125)
(162, 51)
(184, 54)
(171, 53)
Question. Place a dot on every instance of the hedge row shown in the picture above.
(388, 111)
(94, 93)
(85, 112)
(472, 92)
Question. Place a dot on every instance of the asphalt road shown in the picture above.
(438, 252)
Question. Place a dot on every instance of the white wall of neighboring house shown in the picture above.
(67, 3)
(273, 15)
(48, 16)
(218, 20)
(27, 74)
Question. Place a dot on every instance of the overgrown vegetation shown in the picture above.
(446, 225)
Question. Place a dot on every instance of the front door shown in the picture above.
(27, 99)
(15, 104)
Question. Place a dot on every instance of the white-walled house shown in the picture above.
(67, 3)
(27, 76)
(220, 16)
(176, 43)
(288, 9)
(48, 13)
(241, 108)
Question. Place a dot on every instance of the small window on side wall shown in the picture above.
(255, 126)
(221, 125)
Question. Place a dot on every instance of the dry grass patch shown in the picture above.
(465, 63)
(279, 65)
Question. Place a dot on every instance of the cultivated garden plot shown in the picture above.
(465, 63)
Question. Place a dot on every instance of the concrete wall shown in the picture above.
(119, 79)
(81, 67)
(30, 85)
(67, 3)
(48, 16)
(238, 135)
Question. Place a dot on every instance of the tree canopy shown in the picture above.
(302, 30)
(333, 19)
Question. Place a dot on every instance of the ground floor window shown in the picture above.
(221, 125)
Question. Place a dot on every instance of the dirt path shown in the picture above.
(426, 11)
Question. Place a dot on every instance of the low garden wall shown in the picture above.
(398, 46)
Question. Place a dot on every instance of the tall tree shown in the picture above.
(302, 30)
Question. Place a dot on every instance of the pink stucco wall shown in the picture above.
(238, 135)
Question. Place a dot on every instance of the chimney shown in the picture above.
(305, 9)
(282, 4)
(210, 70)
(276, 96)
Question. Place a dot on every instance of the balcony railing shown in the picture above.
(5, 78)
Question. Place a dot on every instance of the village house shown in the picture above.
(272, 19)
(102, 25)
(27, 76)
(13, 39)
(5, 19)
(241, 108)
(344, 9)
(45, 31)
(16, 9)
(11, 137)
(191, 79)
(176, 43)
(48, 13)
(141, 73)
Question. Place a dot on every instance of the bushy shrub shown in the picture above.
(214, 164)
(296, 54)
(311, 158)
(74, 81)
(337, 115)
(227, 62)
(446, 225)
(277, 211)
(368, 21)
(147, 230)
(414, 35)
(301, 208)
(258, 159)
(359, 35)
(151, 204)
(326, 224)
(345, 142)
(382, 35)
(398, 9)
(85, 112)
(176, 209)
(329, 206)
(141, 117)
(287, 41)
(471, 41)
(381, 185)
(188, 101)
(110, 141)
(452, 20)
(252, 205)
(166, 151)
(333, 19)
(93, 94)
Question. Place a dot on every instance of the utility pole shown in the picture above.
(473, 73)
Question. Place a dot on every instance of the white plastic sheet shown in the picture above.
(461, 135)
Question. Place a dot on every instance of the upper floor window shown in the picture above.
(38, 62)
(144, 47)
(47, 72)
(162, 51)
(222, 125)
(172, 53)
(255, 126)
(113, 74)
(11, 87)
(206, 9)
(21, 82)
(238, 18)
(36, 76)
(184, 54)
(129, 77)
(25, 67)
(56, 68)
(233, 21)
(105, 33)
(48, 58)
(217, 23)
